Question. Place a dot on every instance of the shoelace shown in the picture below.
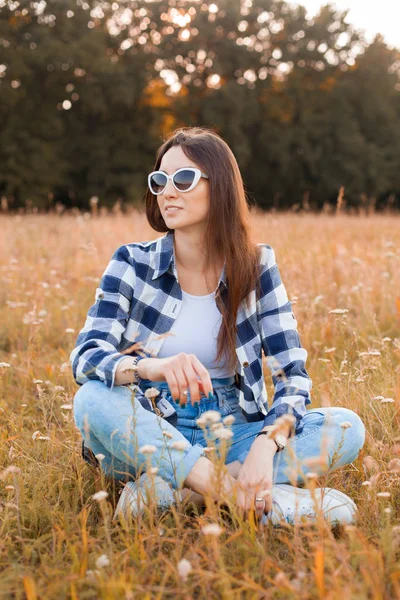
(289, 515)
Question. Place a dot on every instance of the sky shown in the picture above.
(371, 16)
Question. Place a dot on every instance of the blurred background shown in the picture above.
(307, 97)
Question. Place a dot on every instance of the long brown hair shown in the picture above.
(228, 226)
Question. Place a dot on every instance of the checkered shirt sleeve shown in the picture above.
(286, 357)
(95, 355)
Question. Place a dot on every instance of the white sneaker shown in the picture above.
(295, 505)
(135, 496)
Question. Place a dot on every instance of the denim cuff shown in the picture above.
(183, 468)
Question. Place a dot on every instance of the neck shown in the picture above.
(189, 251)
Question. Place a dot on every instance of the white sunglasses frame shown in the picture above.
(197, 176)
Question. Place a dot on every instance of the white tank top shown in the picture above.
(195, 332)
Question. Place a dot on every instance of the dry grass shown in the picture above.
(52, 532)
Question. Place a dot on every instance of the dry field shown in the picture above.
(56, 541)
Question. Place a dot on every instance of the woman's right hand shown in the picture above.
(181, 372)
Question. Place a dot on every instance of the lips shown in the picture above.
(172, 210)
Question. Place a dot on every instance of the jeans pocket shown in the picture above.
(312, 420)
(227, 401)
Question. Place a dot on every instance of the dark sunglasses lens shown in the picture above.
(158, 182)
(184, 179)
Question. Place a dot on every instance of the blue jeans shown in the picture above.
(116, 426)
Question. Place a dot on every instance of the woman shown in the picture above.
(222, 302)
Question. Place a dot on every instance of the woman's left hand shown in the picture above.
(256, 476)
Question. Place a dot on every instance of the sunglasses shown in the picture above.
(183, 180)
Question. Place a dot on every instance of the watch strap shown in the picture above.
(266, 432)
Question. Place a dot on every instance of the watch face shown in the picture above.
(281, 440)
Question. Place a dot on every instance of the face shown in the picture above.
(194, 205)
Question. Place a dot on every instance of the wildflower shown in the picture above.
(318, 299)
(4, 365)
(153, 470)
(8, 470)
(378, 398)
(212, 416)
(229, 420)
(212, 529)
(91, 575)
(387, 510)
(100, 456)
(366, 483)
(102, 561)
(152, 393)
(383, 494)
(329, 350)
(387, 400)
(66, 406)
(360, 380)
(179, 445)
(223, 433)
(70, 330)
(9, 488)
(345, 425)
(37, 381)
(387, 339)
(201, 421)
(38, 436)
(374, 353)
(338, 311)
(394, 464)
(280, 578)
(312, 475)
(167, 434)
(370, 463)
(148, 449)
(216, 426)
(184, 569)
(324, 360)
(100, 496)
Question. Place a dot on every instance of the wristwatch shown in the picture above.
(279, 439)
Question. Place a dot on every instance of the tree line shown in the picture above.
(89, 89)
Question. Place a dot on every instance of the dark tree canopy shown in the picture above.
(89, 89)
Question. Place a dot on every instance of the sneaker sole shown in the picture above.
(336, 506)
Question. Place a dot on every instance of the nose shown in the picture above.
(169, 189)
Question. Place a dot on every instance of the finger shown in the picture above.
(182, 382)
(191, 377)
(259, 506)
(263, 502)
(204, 375)
(246, 500)
(173, 385)
(268, 501)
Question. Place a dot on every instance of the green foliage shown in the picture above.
(306, 105)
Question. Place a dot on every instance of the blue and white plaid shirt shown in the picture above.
(139, 299)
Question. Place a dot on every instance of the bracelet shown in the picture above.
(137, 376)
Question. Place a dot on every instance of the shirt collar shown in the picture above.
(164, 258)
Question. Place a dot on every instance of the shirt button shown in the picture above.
(245, 364)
